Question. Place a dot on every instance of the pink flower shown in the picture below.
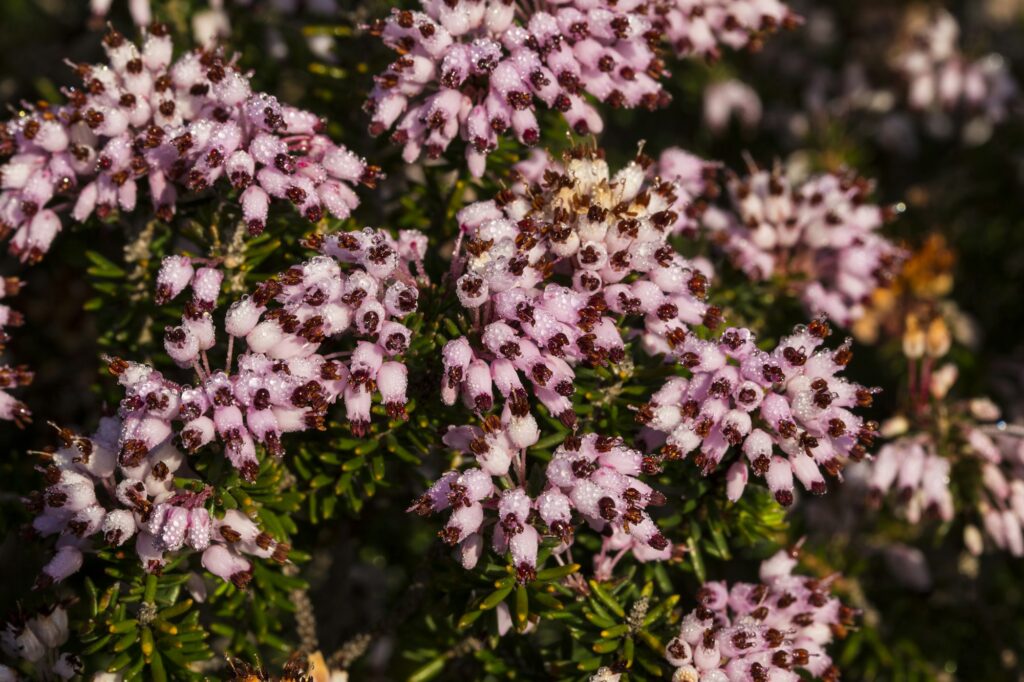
(533, 329)
(731, 99)
(12, 409)
(766, 631)
(702, 27)
(283, 382)
(821, 236)
(37, 639)
(590, 479)
(939, 76)
(787, 411)
(183, 126)
(476, 70)
(919, 468)
(695, 181)
(138, 498)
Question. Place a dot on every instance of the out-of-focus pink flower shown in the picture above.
(12, 409)
(476, 70)
(940, 77)
(822, 237)
(703, 27)
(731, 100)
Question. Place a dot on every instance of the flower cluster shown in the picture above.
(701, 27)
(765, 631)
(11, 409)
(590, 478)
(913, 467)
(141, 11)
(917, 297)
(821, 235)
(182, 125)
(476, 68)
(919, 466)
(791, 399)
(695, 181)
(595, 233)
(96, 498)
(37, 639)
(940, 77)
(283, 383)
(1001, 456)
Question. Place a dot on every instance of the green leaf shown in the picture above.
(495, 598)
(522, 607)
(557, 572)
(428, 671)
(607, 597)
(696, 560)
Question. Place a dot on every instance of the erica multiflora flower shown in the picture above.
(96, 497)
(703, 27)
(772, 630)
(590, 479)
(731, 100)
(821, 236)
(940, 77)
(183, 126)
(616, 544)
(11, 377)
(965, 445)
(919, 475)
(141, 11)
(476, 69)
(695, 180)
(1000, 451)
(549, 266)
(596, 475)
(36, 639)
(788, 412)
(360, 287)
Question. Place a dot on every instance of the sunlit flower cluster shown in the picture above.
(182, 125)
(770, 630)
(360, 286)
(475, 69)
(590, 479)
(94, 498)
(550, 265)
(788, 411)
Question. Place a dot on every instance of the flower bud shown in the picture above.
(227, 565)
(175, 274)
(66, 561)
